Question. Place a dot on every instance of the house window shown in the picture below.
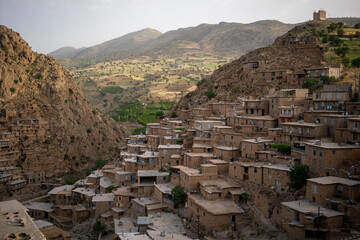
(269, 171)
(320, 164)
(340, 188)
(320, 153)
(325, 120)
(314, 189)
(277, 183)
(332, 121)
(314, 152)
(333, 152)
(255, 170)
(342, 133)
(338, 95)
(314, 162)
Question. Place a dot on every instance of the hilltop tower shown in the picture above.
(320, 15)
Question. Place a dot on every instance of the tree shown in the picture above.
(355, 62)
(98, 227)
(283, 148)
(310, 83)
(328, 80)
(357, 25)
(298, 175)
(173, 115)
(178, 195)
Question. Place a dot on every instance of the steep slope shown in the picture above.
(236, 79)
(75, 134)
(346, 20)
(127, 43)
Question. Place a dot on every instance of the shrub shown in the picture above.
(327, 79)
(69, 181)
(39, 76)
(173, 115)
(88, 130)
(298, 175)
(111, 187)
(99, 163)
(138, 131)
(283, 148)
(355, 62)
(178, 195)
(12, 90)
(98, 227)
(235, 90)
(210, 94)
(66, 157)
(244, 197)
(310, 83)
(357, 25)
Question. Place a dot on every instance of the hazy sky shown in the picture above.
(50, 24)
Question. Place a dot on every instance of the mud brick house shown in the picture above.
(318, 72)
(194, 160)
(165, 152)
(334, 122)
(302, 131)
(58, 200)
(353, 128)
(124, 178)
(330, 159)
(145, 206)
(102, 203)
(352, 107)
(222, 166)
(213, 215)
(83, 196)
(303, 219)
(39, 210)
(314, 115)
(204, 128)
(137, 139)
(189, 178)
(218, 188)
(35, 176)
(16, 186)
(203, 112)
(153, 142)
(162, 193)
(152, 128)
(247, 171)
(224, 108)
(258, 107)
(276, 175)
(290, 113)
(228, 154)
(123, 197)
(147, 179)
(332, 97)
(249, 147)
(257, 123)
(136, 148)
(148, 160)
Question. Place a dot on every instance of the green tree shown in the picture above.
(310, 83)
(283, 148)
(355, 62)
(111, 187)
(173, 115)
(98, 227)
(210, 94)
(328, 80)
(357, 25)
(298, 175)
(178, 195)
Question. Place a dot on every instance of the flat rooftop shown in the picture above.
(145, 201)
(257, 140)
(307, 124)
(226, 148)
(331, 145)
(307, 207)
(329, 180)
(11, 206)
(104, 197)
(41, 206)
(151, 173)
(216, 207)
(174, 146)
(164, 187)
(85, 191)
(219, 183)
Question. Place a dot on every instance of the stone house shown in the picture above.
(212, 215)
(249, 147)
(332, 97)
(39, 210)
(301, 219)
(302, 131)
(225, 153)
(102, 203)
(165, 152)
(194, 160)
(256, 107)
(123, 197)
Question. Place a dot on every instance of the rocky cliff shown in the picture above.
(75, 134)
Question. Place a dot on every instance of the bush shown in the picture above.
(235, 90)
(138, 131)
(39, 76)
(98, 227)
(244, 197)
(99, 163)
(210, 94)
(69, 181)
(173, 115)
(342, 51)
(283, 148)
(88, 130)
(328, 80)
(357, 25)
(355, 62)
(12, 90)
(111, 187)
(298, 175)
(178, 195)
(310, 83)
(66, 157)
(346, 61)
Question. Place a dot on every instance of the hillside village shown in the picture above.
(282, 166)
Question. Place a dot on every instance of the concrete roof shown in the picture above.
(149, 154)
(41, 206)
(8, 224)
(187, 170)
(105, 197)
(145, 201)
(216, 207)
(277, 166)
(307, 207)
(257, 140)
(176, 146)
(331, 145)
(266, 117)
(307, 124)
(124, 192)
(41, 223)
(218, 161)
(155, 235)
(192, 154)
(226, 148)
(85, 191)
(151, 173)
(333, 180)
(11, 206)
(142, 220)
(219, 183)
(164, 187)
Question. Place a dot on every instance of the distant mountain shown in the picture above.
(222, 38)
(347, 20)
(66, 52)
(126, 43)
